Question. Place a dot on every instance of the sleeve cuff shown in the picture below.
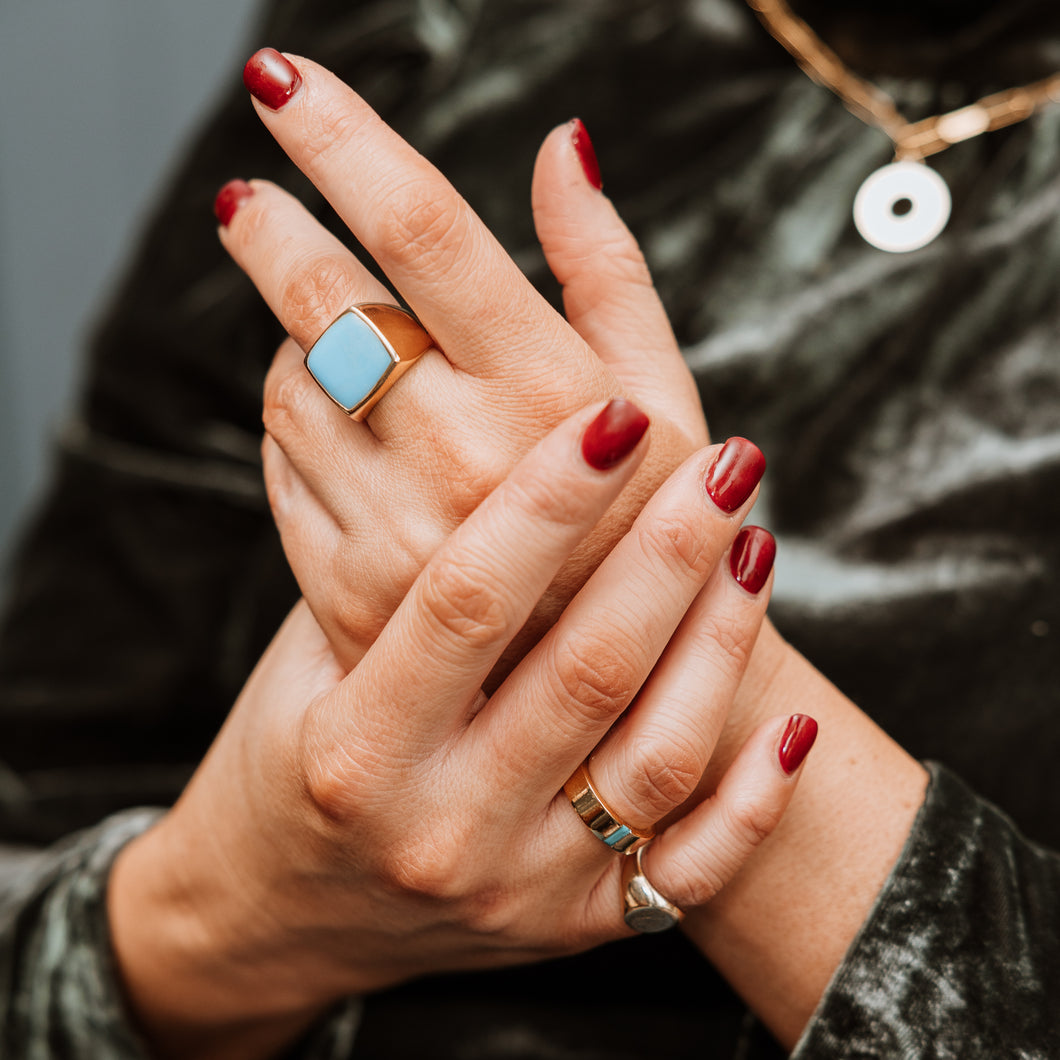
(957, 957)
(60, 992)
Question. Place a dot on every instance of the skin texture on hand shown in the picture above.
(350, 831)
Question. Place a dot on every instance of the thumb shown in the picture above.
(607, 290)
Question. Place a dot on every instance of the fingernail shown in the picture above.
(795, 744)
(733, 476)
(613, 435)
(751, 558)
(584, 146)
(229, 199)
(270, 78)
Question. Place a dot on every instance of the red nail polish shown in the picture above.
(795, 744)
(733, 476)
(751, 558)
(229, 199)
(614, 434)
(584, 146)
(270, 78)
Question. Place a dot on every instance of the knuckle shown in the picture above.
(744, 821)
(749, 819)
(423, 225)
(286, 395)
(425, 869)
(276, 484)
(436, 873)
(703, 883)
(593, 679)
(326, 786)
(490, 911)
(625, 260)
(546, 498)
(333, 773)
(464, 604)
(313, 292)
(726, 644)
(664, 776)
(679, 545)
(463, 474)
(361, 618)
(331, 134)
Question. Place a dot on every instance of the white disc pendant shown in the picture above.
(901, 207)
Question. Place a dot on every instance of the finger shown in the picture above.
(329, 450)
(482, 585)
(653, 759)
(308, 278)
(566, 694)
(696, 857)
(345, 612)
(608, 293)
(456, 277)
(303, 272)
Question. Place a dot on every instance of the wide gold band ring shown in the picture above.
(645, 910)
(363, 352)
(598, 818)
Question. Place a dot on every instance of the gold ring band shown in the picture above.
(363, 352)
(598, 818)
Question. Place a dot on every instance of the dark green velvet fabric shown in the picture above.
(909, 407)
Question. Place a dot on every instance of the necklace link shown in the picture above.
(913, 141)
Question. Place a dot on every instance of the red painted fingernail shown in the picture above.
(795, 744)
(733, 476)
(584, 146)
(270, 78)
(751, 558)
(614, 434)
(229, 199)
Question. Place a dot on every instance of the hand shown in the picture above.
(455, 424)
(837, 845)
(348, 832)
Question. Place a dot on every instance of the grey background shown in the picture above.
(98, 98)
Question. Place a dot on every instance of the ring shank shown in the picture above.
(598, 818)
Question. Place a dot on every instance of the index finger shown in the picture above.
(454, 274)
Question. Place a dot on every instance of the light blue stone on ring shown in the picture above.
(350, 361)
(616, 837)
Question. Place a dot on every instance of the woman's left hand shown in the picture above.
(366, 504)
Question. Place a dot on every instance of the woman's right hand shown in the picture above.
(349, 831)
(364, 504)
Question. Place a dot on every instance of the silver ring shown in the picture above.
(646, 910)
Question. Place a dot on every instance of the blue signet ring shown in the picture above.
(364, 352)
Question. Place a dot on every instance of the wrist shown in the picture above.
(780, 929)
(201, 978)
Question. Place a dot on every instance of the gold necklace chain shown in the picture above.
(913, 141)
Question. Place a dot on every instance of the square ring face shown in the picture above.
(350, 360)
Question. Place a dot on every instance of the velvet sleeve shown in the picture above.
(60, 992)
(960, 958)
